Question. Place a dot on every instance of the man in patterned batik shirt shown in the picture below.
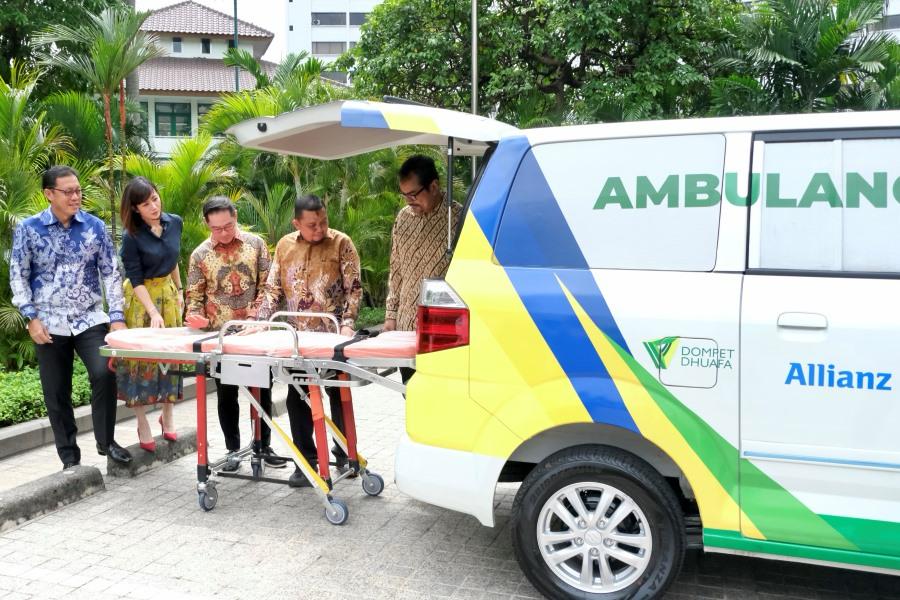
(225, 281)
(315, 269)
(59, 259)
(418, 243)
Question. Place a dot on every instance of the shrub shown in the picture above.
(369, 315)
(22, 399)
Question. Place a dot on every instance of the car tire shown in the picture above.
(638, 506)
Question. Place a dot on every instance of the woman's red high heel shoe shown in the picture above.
(170, 436)
(148, 446)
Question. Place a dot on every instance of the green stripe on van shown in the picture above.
(733, 540)
(877, 537)
(775, 511)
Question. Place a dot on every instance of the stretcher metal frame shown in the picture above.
(250, 373)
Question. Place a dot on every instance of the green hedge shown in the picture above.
(369, 316)
(21, 398)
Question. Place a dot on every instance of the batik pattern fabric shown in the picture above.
(225, 280)
(139, 382)
(320, 277)
(56, 273)
(418, 251)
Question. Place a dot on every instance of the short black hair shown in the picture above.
(216, 204)
(421, 166)
(55, 172)
(307, 202)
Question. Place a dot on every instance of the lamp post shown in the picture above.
(474, 75)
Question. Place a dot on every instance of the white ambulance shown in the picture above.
(673, 333)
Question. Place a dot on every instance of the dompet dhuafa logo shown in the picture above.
(662, 350)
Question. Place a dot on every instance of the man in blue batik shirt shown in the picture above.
(59, 258)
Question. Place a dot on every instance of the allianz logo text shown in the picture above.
(821, 375)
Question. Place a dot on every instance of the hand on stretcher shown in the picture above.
(196, 322)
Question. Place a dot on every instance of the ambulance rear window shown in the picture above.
(638, 203)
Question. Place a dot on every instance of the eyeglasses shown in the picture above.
(73, 192)
(413, 195)
(223, 229)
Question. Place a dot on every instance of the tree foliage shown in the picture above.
(545, 60)
(793, 56)
(20, 20)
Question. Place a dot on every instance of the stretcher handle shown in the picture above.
(268, 324)
(320, 315)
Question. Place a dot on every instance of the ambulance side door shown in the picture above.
(820, 343)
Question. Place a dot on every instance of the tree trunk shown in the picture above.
(123, 140)
(107, 116)
(132, 85)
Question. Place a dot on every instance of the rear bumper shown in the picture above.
(460, 481)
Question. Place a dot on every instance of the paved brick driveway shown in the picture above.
(147, 538)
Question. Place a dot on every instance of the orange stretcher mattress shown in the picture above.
(277, 343)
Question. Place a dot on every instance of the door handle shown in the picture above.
(802, 320)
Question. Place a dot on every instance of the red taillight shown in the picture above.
(440, 328)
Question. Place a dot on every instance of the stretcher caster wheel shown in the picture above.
(337, 513)
(372, 484)
(208, 498)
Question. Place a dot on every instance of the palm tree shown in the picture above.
(28, 145)
(801, 56)
(112, 46)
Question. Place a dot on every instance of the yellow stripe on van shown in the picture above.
(402, 122)
(717, 509)
(513, 372)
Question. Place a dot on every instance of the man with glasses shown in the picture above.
(225, 282)
(59, 259)
(418, 243)
(316, 269)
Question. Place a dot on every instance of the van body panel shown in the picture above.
(457, 480)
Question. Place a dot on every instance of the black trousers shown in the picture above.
(302, 430)
(55, 364)
(230, 413)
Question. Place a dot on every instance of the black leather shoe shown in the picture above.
(69, 465)
(273, 461)
(118, 453)
(298, 479)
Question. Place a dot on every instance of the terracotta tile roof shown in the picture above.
(193, 75)
(191, 17)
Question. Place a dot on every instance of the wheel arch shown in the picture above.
(546, 443)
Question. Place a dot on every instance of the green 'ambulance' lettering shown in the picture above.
(701, 190)
(613, 192)
(645, 191)
(820, 189)
(876, 193)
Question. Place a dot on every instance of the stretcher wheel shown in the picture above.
(373, 484)
(208, 498)
(337, 514)
(258, 470)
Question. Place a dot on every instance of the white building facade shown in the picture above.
(325, 28)
(177, 90)
(892, 18)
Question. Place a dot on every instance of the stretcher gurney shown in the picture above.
(275, 351)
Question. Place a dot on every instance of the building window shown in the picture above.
(358, 18)
(290, 27)
(204, 45)
(352, 45)
(231, 44)
(176, 44)
(329, 18)
(329, 48)
(145, 118)
(173, 119)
